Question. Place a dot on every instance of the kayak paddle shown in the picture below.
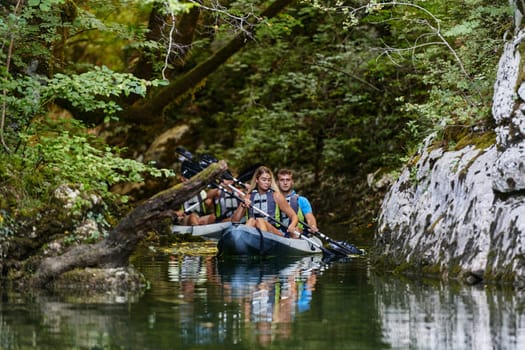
(344, 247)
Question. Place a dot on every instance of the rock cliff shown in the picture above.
(461, 213)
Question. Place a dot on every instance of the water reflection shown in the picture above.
(199, 302)
(261, 297)
(432, 315)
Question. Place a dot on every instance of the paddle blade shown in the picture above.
(189, 169)
(184, 153)
(206, 160)
(247, 174)
(346, 248)
(228, 175)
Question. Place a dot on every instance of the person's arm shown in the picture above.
(241, 209)
(211, 195)
(306, 208)
(312, 222)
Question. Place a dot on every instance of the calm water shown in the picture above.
(199, 302)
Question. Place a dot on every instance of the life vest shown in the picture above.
(266, 203)
(199, 209)
(293, 200)
(225, 205)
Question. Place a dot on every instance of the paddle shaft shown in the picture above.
(208, 159)
(191, 207)
(323, 236)
(185, 153)
(265, 214)
(318, 233)
(197, 165)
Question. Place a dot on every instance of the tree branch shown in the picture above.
(114, 251)
(148, 111)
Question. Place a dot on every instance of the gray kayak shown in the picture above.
(245, 240)
(211, 231)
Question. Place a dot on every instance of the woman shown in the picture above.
(265, 196)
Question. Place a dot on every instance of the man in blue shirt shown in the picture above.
(300, 204)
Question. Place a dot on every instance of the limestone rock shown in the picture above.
(443, 216)
(509, 171)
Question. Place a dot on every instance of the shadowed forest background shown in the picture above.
(96, 96)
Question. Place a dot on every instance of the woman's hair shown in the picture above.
(260, 171)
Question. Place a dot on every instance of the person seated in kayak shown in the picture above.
(265, 195)
(222, 201)
(193, 211)
(300, 204)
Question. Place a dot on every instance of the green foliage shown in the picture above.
(336, 90)
(7, 225)
(44, 5)
(174, 6)
(310, 104)
(49, 159)
(459, 87)
(330, 88)
(22, 98)
(40, 155)
(91, 91)
(77, 161)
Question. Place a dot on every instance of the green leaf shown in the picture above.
(465, 28)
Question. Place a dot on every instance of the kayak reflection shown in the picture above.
(261, 296)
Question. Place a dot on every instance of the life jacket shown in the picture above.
(200, 209)
(293, 200)
(225, 205)
(266, 203)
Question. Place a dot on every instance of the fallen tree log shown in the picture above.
(115, 250)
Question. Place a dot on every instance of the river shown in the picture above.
(196, 301)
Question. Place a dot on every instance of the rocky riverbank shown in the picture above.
(461, 213)
(444, 217)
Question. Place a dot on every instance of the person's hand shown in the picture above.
(294, 233)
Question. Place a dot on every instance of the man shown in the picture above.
(263, 197)
(222, 201)
(193, 211)
(300, 204)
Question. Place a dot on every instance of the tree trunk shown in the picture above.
(148, 111)
(183, 35)
(114, 251)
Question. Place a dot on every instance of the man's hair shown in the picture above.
(285, 172)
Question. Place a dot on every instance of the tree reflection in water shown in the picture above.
(199, 302)
(261, 296)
